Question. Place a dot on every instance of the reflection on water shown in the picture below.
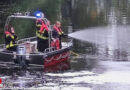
(89, 13)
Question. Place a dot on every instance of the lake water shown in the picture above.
(101, 35)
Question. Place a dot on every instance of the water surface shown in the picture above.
(101, 31)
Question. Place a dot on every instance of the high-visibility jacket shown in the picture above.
(41, 29)
(10, 40)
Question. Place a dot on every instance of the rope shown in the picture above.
(75, 53)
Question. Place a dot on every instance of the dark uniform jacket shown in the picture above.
(10, 41)
(42, 35)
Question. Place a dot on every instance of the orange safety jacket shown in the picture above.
(60, 32)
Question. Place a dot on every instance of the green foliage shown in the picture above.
(51, 8)
(25, 28)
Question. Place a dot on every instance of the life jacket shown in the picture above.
(60, 32)
(41, 27)
(11, 42)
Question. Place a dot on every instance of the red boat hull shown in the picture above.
(57, 62)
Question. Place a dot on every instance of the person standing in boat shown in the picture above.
(42, 33)
(10, 39)
(57, 34)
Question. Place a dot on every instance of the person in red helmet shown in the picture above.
(57, 33)
(42, 33)
(10, 39)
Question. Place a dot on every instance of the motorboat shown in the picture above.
(27, 54)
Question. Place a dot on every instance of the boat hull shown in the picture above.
(56, 59)
(48, 60)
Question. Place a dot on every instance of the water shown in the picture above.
(110, 40)
(101, 40)
(106, 75)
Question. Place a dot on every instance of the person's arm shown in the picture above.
(46, 34)
(38, 25)
(8, 38)
(55, 34)
(15, 37)
(61, 33)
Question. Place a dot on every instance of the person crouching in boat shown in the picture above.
(42, 34)
(57, 33)
(10, 39)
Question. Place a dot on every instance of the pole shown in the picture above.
(49, 33)
(50, 30)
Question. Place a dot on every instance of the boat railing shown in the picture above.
(2, 46)
(26, 39)
(68, 43)
(21, 41)
(49, 49)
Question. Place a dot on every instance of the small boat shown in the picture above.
(27, 54)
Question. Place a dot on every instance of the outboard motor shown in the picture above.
(21, 57)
